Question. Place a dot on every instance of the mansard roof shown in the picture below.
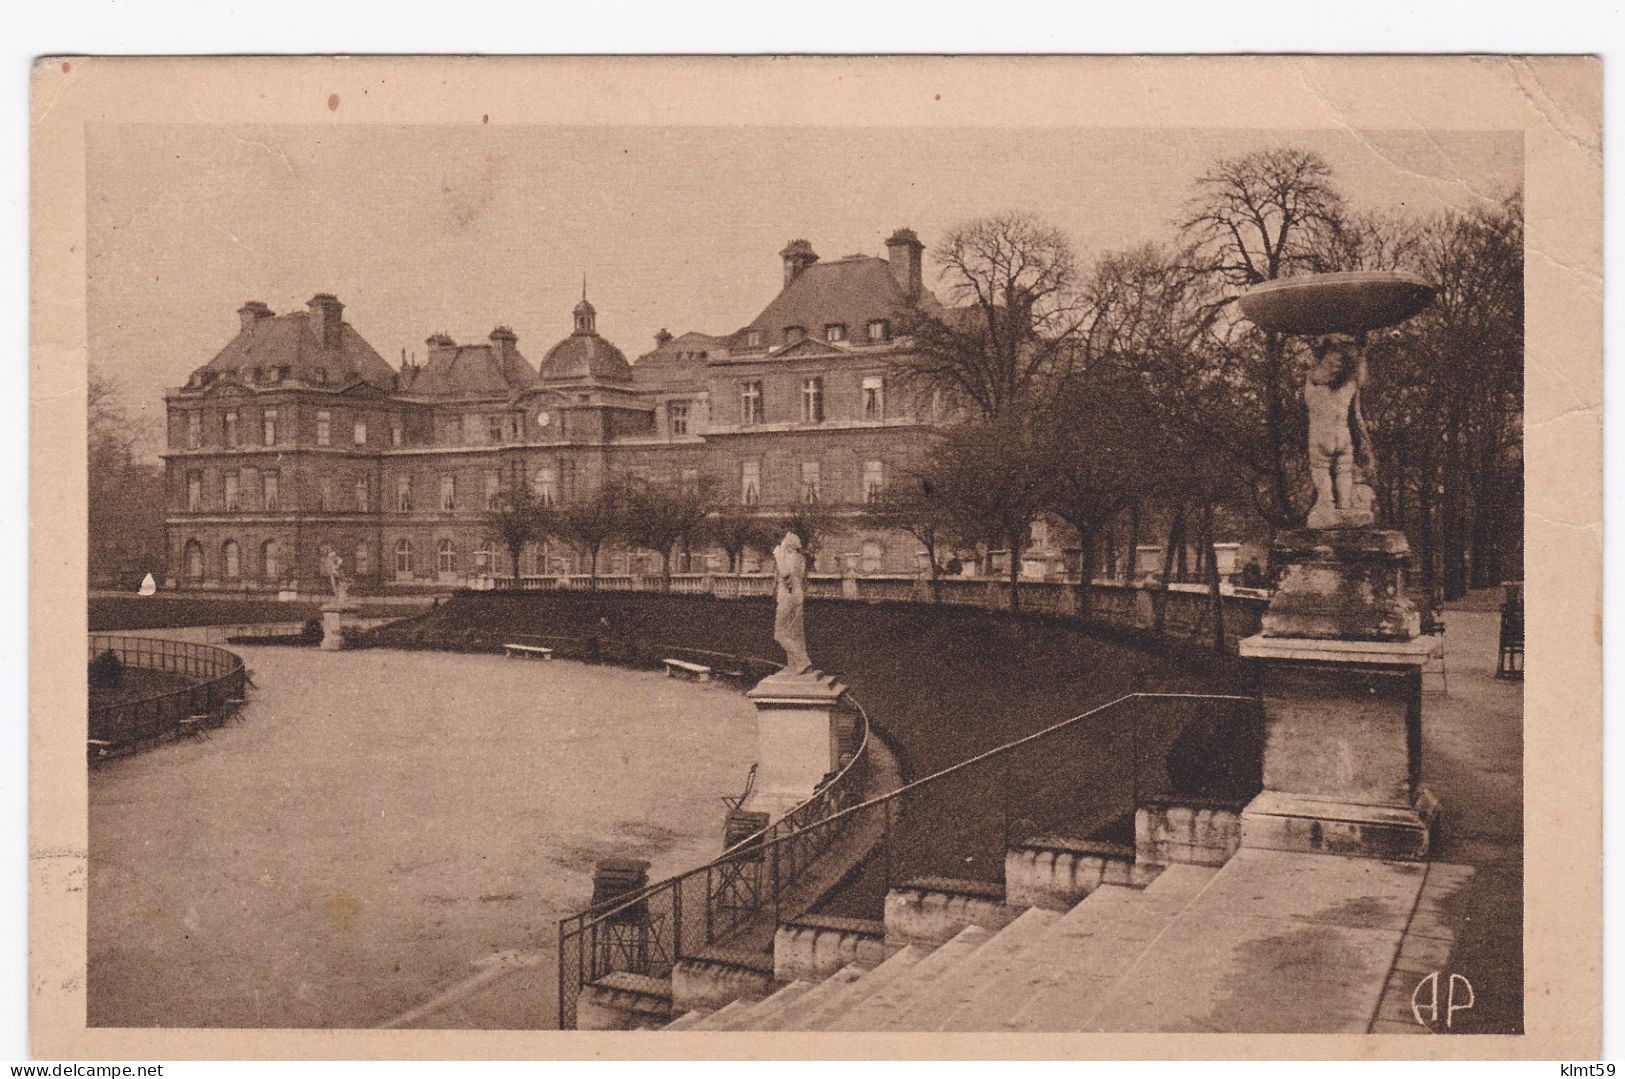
(274, 341)
(468, 371)
(851, 291)
(678, 362)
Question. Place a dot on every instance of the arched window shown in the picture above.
(403, 556)
(447, 557)
(194, 560)
(270, 566)
(485, 557)
(232, 558)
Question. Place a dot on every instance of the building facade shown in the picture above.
(298, 438)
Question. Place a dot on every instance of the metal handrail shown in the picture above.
(768, 844)
(823, 805)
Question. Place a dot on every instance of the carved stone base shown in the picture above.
(1342, 584)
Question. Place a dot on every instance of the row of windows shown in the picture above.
(264, 490)
(544, 485)
(751, 411)
(263, 487)
(508, 427)
(231, 428)
(231, 561)
(489, 557)
(812, 486)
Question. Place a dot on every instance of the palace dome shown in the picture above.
(585, 355)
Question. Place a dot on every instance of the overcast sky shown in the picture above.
(424, 229)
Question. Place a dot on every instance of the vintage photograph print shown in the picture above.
(817, 545)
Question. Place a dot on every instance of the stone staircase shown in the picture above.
(1269, 941)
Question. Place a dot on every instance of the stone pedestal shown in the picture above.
(333, 625)
(1342, 690)
(1342, 749)
(1342, 584)
(797, 722)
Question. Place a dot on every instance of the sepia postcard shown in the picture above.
(816, 557)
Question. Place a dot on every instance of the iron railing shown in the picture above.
(724, 902)
(1081, 778)
(218, 677)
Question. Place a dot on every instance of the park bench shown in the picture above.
(99, 748)
(197, 726)
(698, 671)
(525, 651)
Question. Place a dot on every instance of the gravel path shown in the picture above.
(381, 820)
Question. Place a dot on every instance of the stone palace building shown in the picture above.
(298, 437)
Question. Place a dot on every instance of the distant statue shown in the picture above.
(335, 576)
(1341, 463)
(1252, 574)
(789, 625)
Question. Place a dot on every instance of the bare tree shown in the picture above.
(995, 479)
(1256, 218)
(912, 503)
(658, 516)
(517, 516)
(1011, 282)
(735, 530)
(126, 498)
(1103, 447)
(588, 524)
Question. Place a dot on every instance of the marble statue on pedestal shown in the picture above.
(335, 577)
(789, 623)
(1341, 463)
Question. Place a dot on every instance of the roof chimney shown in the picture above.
(797, 256)
(905, 253)
(503, 341)
(251, 312)
(326, 318)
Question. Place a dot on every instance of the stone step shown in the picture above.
(1070, 978)
(929, 1008)
(979, 1002)
(686, 1020)
(716, 1019)
(779, 1019)
(809, 1016)
(764, 1010)
(875, 1009)
(1279, 941)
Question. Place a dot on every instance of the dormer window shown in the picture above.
(879, 330)
(792, 334)
(753, 339)
(835, 331)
